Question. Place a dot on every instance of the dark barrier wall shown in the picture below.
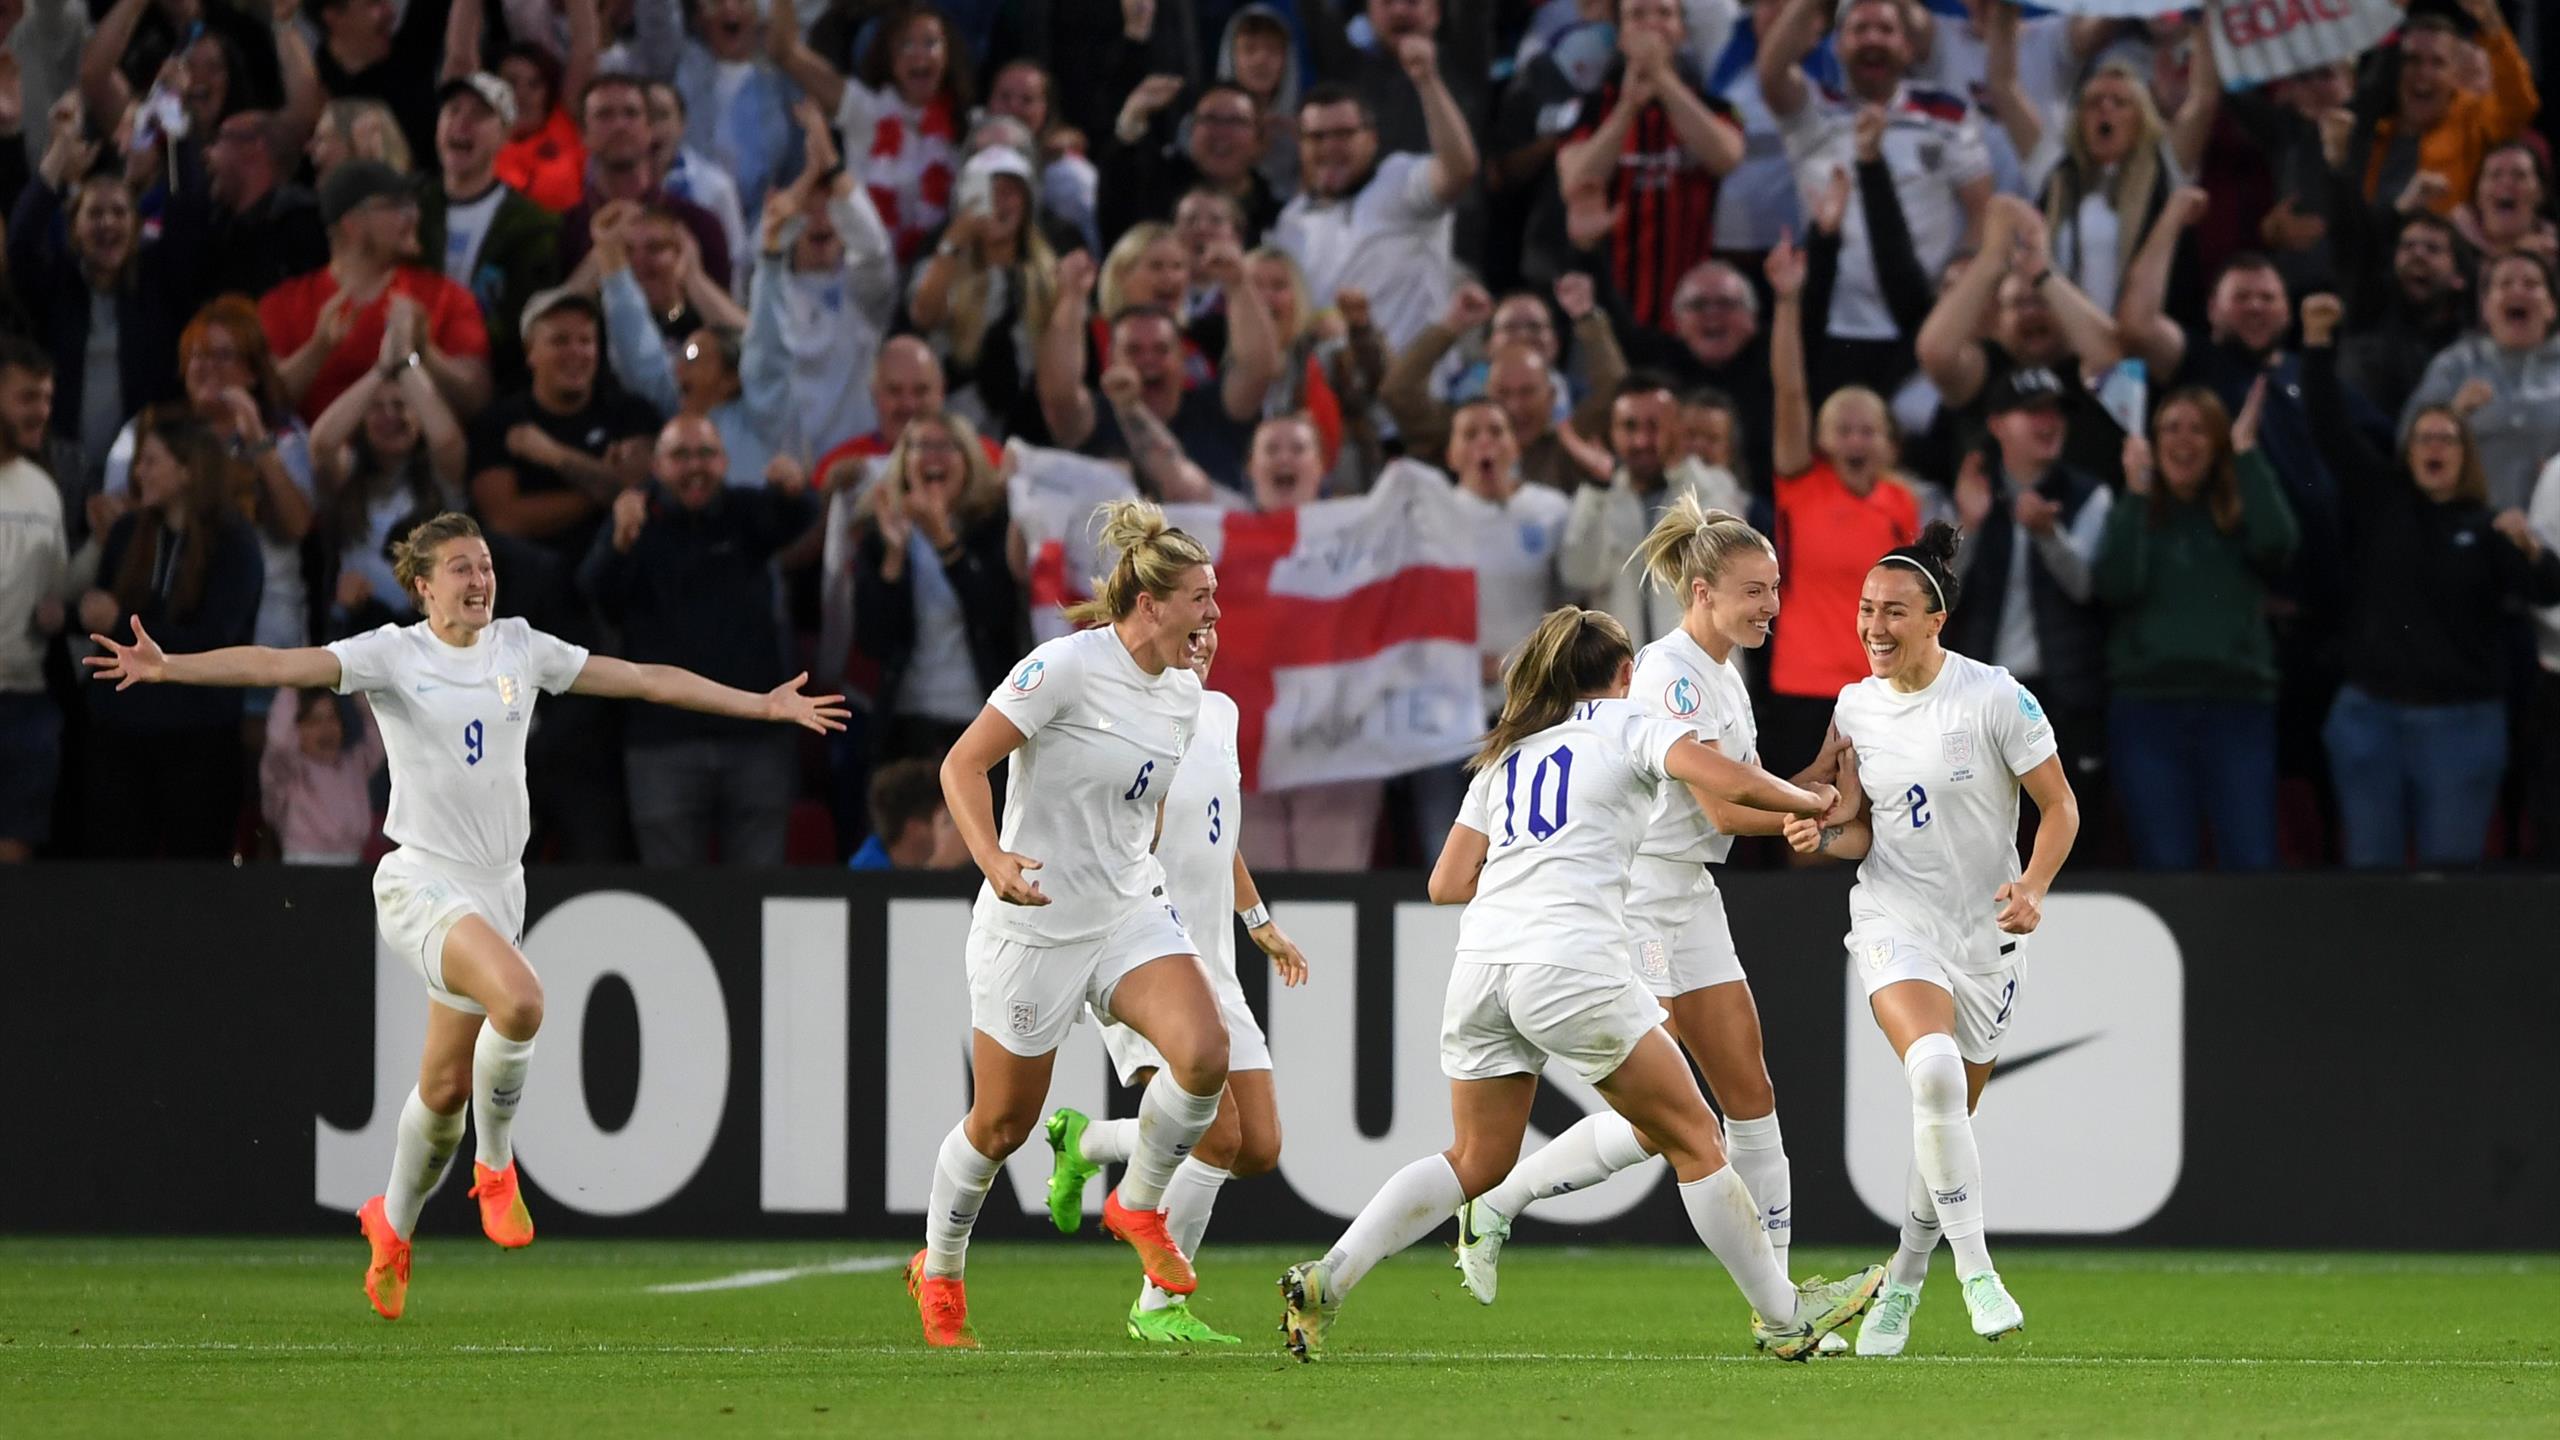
(2287, 1061)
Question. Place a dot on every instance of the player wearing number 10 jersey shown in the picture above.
(1941, 914)
(1564, 790)
(454, 695)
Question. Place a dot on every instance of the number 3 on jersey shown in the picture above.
(1560, 759)
(473, 743)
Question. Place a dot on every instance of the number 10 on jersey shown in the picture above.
(1560, 762)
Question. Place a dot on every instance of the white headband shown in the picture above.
(1924, 574)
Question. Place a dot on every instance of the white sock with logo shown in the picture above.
(497, 1087)
(1942, 1146)
(1910, 1264)
(1597, 1147)
(1170, 1121)
(961, 1177)
(1188, 1199)
(1723, 1213)
(1415, 1201)
(1759, 1156)
(419, 1156)
(1107, 1142)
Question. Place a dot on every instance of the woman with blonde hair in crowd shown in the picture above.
(982, 299)
(358, 129)
(1332, 364)
(389, 452)
(935, 605)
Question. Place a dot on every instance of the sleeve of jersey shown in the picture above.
(556, 663)
(364, 661)
(1649, 742)
(1666, 688)
(2018, 719)
(1412, 187)
(1043, 684)
(1475, 811)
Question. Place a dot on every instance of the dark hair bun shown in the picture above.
(1937, 545)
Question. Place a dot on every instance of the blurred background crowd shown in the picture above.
(720, 315)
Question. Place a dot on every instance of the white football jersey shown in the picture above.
(1676, 680)
(1199, 845)
(1101, 741)
(1565, 810)
(1940, 767)
(454, 723)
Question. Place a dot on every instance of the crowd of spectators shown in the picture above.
(718, 315)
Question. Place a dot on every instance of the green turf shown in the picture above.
(204, 1337)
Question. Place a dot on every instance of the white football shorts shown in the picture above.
(1027, 997)
(1246, 1047)
(1511, 1019)
(418, 898)
(1676, 922)
(1985, 1001)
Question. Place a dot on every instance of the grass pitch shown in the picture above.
(204, 1337)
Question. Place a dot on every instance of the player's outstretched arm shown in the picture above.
(1268, 937)
(1730, 780)
(674, 685)
(1453, 879)
(143, 663)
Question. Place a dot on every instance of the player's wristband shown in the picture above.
(1255, 918)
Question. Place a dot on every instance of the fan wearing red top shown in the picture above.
(1839, 506)
(327, 326)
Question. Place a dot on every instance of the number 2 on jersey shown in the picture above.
(1540, 826)
(1919, 798)
(473, 743)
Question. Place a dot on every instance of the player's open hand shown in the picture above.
(139, 663)
(1274, 942)
(2021, 908)
(1010, 884)
(822, 713)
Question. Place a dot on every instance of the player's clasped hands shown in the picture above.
(822, 713)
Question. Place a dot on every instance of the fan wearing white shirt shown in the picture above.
(1570, 778)
(1941, 914)
(454, 696)
(1679, 944)
(1074, 913)
(1204, 874)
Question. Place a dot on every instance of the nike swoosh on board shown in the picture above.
(2008, 1067)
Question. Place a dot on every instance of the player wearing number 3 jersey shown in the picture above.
(1565, 788)
(1073, 912)
(1939, 920)
(454, 695)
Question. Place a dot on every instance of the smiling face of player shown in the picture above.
(1742, 603)
(459, 595)
(1165, 631)
(1897, 627)
(1204, 652)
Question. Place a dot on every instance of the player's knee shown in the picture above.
(1202, 1067)
(1746, 1096)
(1936, 1073)
(1221, 1142)
(518, 1013)
(999, 1135)
(1256, 1154)
(445, 1089)
(1481, 1167)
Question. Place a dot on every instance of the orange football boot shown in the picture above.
(943, 1303)
(503, 1217)
(386, 1280)
(1167, 1267)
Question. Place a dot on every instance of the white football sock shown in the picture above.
(1597, 1147)
(1188, 1199)
(1415, 1201)
(1910, 1263)
(1107, 1142)
(1942, 1146)
(425, 1147)
(960, 1179)
(497, 1087)
(1759, 1155)
(1170, 1121)
(1722, 1212)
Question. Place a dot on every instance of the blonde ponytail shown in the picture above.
(1572, 653)
(1153, 556)
(1691, 543)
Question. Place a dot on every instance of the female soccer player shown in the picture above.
(1204, 877)
(1939, 919)
(454, 696)
(1680, 945)
(1097, 723)
(1571, 775)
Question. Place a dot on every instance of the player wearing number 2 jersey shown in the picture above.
(1679, 944)
(1206, 879)
(1941, 914)
(1073, 912)
(454, 695)
(1564, 791)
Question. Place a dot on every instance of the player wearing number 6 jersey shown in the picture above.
(1073, 912)
(1206, 879)
(454, 695)
(1938, 923)
(1564, 790)
(1679, 943)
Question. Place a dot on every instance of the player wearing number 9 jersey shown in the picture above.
(1073, 912)
(454, 695)
(1939, 921)
(1564, 790)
